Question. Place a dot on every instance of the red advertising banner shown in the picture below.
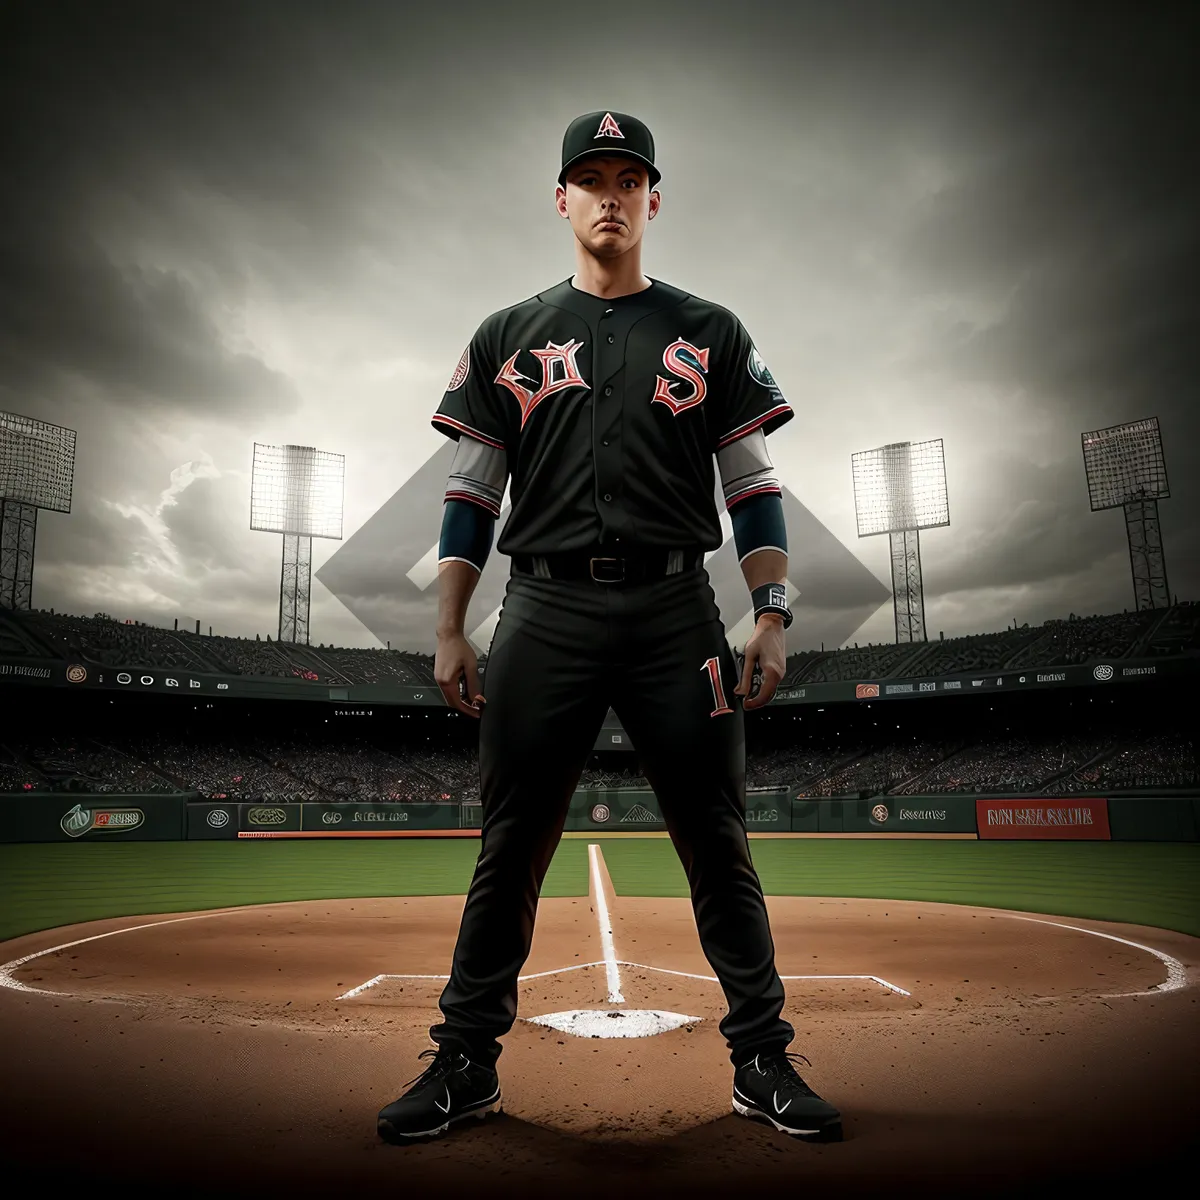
(1069, 818)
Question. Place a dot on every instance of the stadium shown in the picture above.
(977, 851)
(241, 251)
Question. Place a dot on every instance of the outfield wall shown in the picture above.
(66, 817)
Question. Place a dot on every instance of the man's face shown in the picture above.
(608, 202)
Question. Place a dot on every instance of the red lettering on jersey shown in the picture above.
(609, 128)
(552, 380)
(678, 365)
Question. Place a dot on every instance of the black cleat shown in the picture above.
(767, 1088)
(451, 1089)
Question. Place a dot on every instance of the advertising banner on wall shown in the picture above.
(1072, 818)
(769, 812)
(614, 810)
(208, 820)
(910, 814)
(373, 820)
(266, 819)
(62, 817)
(85, 676)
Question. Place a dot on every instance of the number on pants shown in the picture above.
(713, 667)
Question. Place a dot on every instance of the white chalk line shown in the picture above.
(606, 933)
(1176, 972)
(362, 987)
(1176, 980)
(6, 971)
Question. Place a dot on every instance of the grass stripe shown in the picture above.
(45, 886)
(48, 885)
(1141, 883)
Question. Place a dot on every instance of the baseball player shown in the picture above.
(603, 402)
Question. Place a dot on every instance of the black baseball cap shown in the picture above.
(612, 133)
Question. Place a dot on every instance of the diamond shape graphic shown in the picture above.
(386, 573)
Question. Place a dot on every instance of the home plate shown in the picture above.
(605, 1023)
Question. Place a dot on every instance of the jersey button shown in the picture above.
(607, 496)
(604, 443)
(608, 391)
(610, 338)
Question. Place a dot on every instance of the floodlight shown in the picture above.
(37, 470)
(1125, 468)
(296, 491)
(900, 489)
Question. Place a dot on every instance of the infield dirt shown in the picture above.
(220, 1051)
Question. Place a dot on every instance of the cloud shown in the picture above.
(140, 336)
(248, 222)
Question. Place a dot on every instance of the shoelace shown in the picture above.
(778, 1068)
(441, 1065)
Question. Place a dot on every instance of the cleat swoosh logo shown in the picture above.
(775, 1097)
(446, 1107)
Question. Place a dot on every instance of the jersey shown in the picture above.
(610, 412)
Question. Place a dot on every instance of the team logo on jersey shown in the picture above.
(609, 128)
(461, 371)
(558, 373)
(691, 364)
(760, 374)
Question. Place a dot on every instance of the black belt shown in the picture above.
(601, 565)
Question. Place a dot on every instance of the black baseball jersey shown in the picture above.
(611, 412)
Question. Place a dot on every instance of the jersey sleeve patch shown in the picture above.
(471, 404)
(752, 399)
(760, 373)
(460, 372)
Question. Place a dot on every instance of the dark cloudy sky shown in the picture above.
(227, 223)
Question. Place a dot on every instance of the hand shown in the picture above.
(768, 649)
(453, 665)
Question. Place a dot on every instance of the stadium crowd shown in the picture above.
(1056, 643)
(1155, 761)
(305, 768)
(86, 764)
(103, 640)
(878, 770)
(1010, 764)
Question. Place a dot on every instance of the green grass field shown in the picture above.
(1144, 883)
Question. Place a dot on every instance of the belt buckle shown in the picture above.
(620, 578)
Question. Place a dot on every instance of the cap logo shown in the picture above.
(609, 128)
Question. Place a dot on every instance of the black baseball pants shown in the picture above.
(562, 652)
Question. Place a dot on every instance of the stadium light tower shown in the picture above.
(296, 491)
(37, 470)
(1126, 469)
(899, 490)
